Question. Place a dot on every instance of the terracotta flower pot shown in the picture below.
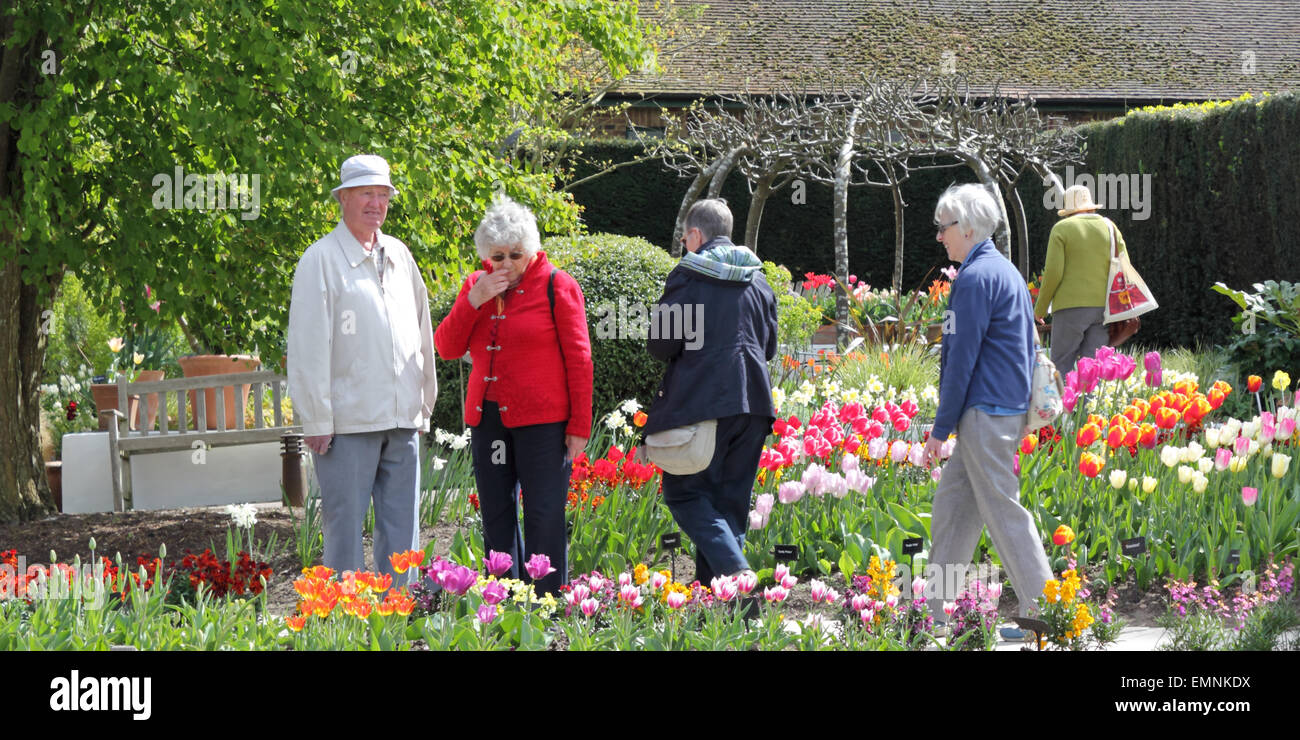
(824, 335)
(54, 476)
(150, 413)
(105, 396)
(196, 366)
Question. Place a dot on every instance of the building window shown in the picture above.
(645, 132)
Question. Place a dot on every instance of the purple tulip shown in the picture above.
(458, 579)
(486, 613)
(1126, 366)
(494, 593)
(498, 563)
(539, 566)
(1154, 379)
(1152, 362)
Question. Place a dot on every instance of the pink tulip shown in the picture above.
(898, 451)
(589, 607)
(595, 581)
(909, 407)
(858, 481)
(818, 591)
(790, 492)
(1249, 495)
(995, 589)
(867, 615)
(1109, 370)
(949, 607)
(1241, 446)
(1126, 366)
(657, 580)
(901, 423)
(781, 571)
(724, 588)
(832, 596)
(1151, 362)
(880, 415)
(630, 595)
(936, 474)
(624, 579)
(1285, 429)
(812, 480)
(860, 602)
(676, 600)
(1089, 372)
(1015, 463)
(486, 613)
(497, 563)
(788, 582)
(495, 593)
(763, 504)
(458, 579)
(916, 455)
(757, 520)
(918, 586)
(945, 449)
(775, 594)
(746, 582)
(836, 485)
(850, 462)
(1267, 428)
(877, 448)
(891, 601)
(1222, 457)
(875, 430)
(1069, 398)
(1154, 380)
(539, 566)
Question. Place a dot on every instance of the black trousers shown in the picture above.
(530, 461)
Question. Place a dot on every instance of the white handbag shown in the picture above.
(1045, 402)
(684, 450)
(1127, 295)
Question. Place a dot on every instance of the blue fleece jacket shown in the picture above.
(987, 354)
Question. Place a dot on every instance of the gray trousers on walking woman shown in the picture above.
(383, 465)
(1077, 332)
(979, 489)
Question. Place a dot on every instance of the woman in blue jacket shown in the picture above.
(985, 368)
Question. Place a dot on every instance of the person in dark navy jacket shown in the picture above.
(716, 328)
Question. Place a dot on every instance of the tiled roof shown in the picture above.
(1086, 50)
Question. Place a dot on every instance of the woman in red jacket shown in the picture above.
(524, 324)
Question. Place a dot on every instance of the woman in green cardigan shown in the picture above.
(1074, 279)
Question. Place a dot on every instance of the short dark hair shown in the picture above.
(711, 216)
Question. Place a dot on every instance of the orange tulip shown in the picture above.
(296, 623)
(318, 571)
(639, 418)
(1254, 383)
(1178, 402)
(1090, 464)
(1094, 419)
(1166, 418)
(1197, 409)
(1133, 414)
(385, 608)
(1223, 386)
(1157, 403)
(1215, 398)
(1143, 406)
(1147, 436)
(400, 561)
(1029, 443)
(1087, 435)
(1131, 435)
(1062, 536)
(1115, 436)
(1185, 387)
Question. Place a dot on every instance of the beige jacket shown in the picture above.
(360, 355)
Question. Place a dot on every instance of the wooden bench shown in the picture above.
(122, 444)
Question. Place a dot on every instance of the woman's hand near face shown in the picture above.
(487, 287)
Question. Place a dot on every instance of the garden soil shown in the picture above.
(137, 533)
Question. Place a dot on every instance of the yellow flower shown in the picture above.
(116, 344)
(1082, 619)
(1280, 464)
(137, 358)
(1051, 590)
(640, 574)
(1281, 381)
(1148, 484)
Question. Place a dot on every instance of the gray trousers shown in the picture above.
(383, 465)
(978, 488)
(1077, 332)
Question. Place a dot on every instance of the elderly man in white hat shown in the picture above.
(1074, 278)
(361, 372)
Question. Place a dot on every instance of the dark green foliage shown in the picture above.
(615, 271)
(1224, 206)
(609, 268)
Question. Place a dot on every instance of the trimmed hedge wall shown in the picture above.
(1224, 206)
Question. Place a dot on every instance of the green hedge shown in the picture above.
(610, 269)
(1225, 201)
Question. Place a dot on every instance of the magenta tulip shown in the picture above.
(539, 566)
(746, 582)
(458, 579)
(498, 563)
(495, 593)
(486, 613)
(589, 607)
(724, 588)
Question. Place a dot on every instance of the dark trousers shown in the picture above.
(712, 506)
(525, 460)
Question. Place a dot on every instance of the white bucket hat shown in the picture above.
(363, 170)
(1077, 198)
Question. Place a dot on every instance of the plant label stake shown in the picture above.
(785, 553)
(1234, 557)
(671, 542)
(1134, 546)
(1037, 626)
(911, 546)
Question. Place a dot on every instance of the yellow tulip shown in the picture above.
(137, 358)
(1148, 484)
(1281, 381)
(1280, 464)
(116, 344)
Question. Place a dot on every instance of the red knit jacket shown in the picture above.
(543, 369)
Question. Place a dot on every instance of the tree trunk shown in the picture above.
(24, 493)
(1022, 228)
(897, 190)
(762, 190)
(692, 194)
(1003, 234)
(842, 173)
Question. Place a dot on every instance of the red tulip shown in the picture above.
(1029, 443)
(1087, 435)
(1254, 383)
(1166, 418)
(1090, 464)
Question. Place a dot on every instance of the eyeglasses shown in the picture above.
(515, 256)
(944, 227)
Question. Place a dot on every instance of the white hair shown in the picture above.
(506, 224)
(972, 206)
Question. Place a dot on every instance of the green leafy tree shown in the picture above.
(105, 105)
